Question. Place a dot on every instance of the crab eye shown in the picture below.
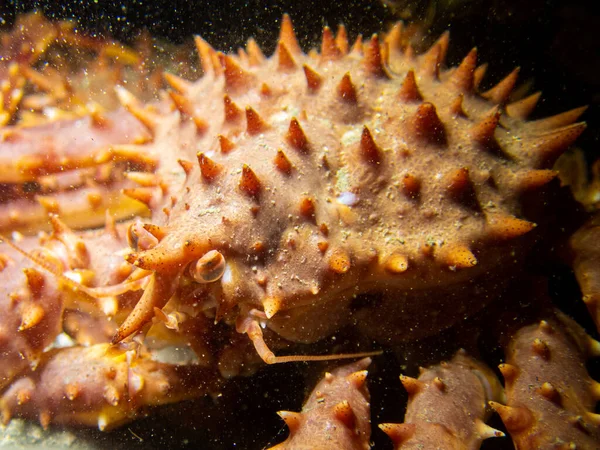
(209, 268)
(139, 238)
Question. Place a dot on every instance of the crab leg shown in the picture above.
(44, 278)
(55, 71)
(32, 307)
(28, 214)
(69, 167)
(336, 415)
(99, 386)
(447, 406)
(28, 152)
(550, 395)
(585, 244)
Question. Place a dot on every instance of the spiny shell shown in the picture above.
(433, 182)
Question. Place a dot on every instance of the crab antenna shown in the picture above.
(252, 328)
(95, 293)
(44, 265)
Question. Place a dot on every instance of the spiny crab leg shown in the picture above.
(586, 264)
(95, 293)
(32, 307)
(447, 406)
(38, 307)
(158, 288)
(46, 266)
(336, 415)
(99, 385)
(69, 265)
(550, 395)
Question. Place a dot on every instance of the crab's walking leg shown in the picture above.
(75, 168)
(336, 415)
(550, 396)
(447, 406)
(99, 386)
(31, 305)
(586, 245)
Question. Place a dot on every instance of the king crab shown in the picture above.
(357, 186)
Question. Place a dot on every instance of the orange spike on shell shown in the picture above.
(368, 148)
(483, 131)
(372, 60)
(236, 78)
(427, 125)
(249, 182)
(549, 146)
(557, 121)
(288, 37)
(463, 76)
(282, 162)
(409, 91)
(313, 79)
(254, 123)
(286, 61)
(501, 92)
(507, 227)
(347, 90)
(341, 39)
(296, 137)
(521, 109)
(232, 112)
(208, 168)
(329, 48)
(225, 144)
